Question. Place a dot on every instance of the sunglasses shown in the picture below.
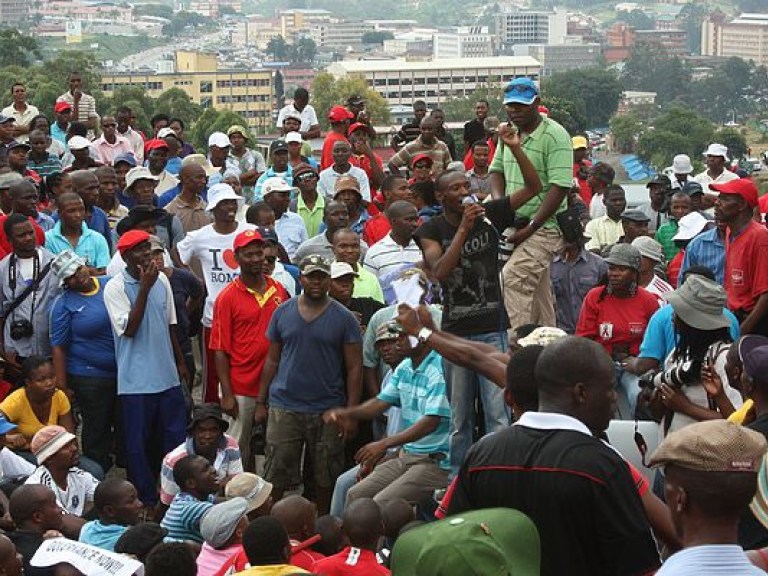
(109, 125)
(270, 259)
(307, 176)
(421, 166)
(517, 88)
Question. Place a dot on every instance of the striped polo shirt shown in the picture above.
(420, 392)
(182, 520)
(550, 151)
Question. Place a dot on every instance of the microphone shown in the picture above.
(472, 199)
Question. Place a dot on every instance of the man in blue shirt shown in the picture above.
(149, 361)
(86, 184)
(707, 249)
(417, 387)
(71, 233)
(314, 363)
(278, 154)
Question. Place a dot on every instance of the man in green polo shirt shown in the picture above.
(527, 290)
(308, 204)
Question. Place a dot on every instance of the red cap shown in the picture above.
(130, 240)
(60, 107)
(244, 238)
(420, 157)
(743, 187)
(154, 144)
(357, 126)
(339, 114)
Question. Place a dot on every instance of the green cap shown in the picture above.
(490, 542)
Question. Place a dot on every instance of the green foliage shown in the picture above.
(177, 104)
(185, 22)
(463, 109)
(566, 112)
(16, 49)
(155, 10)
(376, 37)
(679, 131)
(303, 51)
(692, 15)
(734, 140)
(595, 93)
(638, 19)
(625, 129)
(650, 69)
(213, 120)
(327, 91)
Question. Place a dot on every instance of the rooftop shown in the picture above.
(361, 66)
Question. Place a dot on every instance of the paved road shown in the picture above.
(151, 56)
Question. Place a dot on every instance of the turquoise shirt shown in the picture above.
(92, 246)
(420, 392)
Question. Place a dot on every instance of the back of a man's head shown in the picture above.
(363, 523)
(169, 559)
(570, 362)
(521, 378)
(297, 515)
(266, 542)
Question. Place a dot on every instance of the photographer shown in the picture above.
(702, 333)
(26, 292)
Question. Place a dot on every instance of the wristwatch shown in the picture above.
(424, 334)
(535, 225)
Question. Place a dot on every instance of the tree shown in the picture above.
(213, 120)
(595, 92)
(303, 51)
(327, 91)
(463, 109)
(625, 129)
(277, 47)
(566, 113)
(692, 16)
(177, 103)
(376, 37)
(16, 48)
(155, 10)
(638, 20)
(650, 69)
(678, 131)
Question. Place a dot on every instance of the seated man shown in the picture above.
(117, 506)
(417, 386)
(197, 481)
(35, 512)
(363, 526)
(205, 437)
(266, 544)
(57, 458)
(222, 528)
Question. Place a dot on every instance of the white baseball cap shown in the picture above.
(275, 184)
(690, 226)
(716, 150)
(293, 137)
(78, 143)
(681, 164)
(219, 139)
(166, 132)
(220, 192)
(341, 269)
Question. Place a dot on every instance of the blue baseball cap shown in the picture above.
(128, 158)
(6, 426)
(520, 91)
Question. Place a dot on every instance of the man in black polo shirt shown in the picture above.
(474, 130)
(577, 490)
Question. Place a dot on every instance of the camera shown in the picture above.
(21, 329)
(684, 374)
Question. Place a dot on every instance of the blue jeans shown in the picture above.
(151, 420)
(629, 385)
(464, 388)
(343, 483)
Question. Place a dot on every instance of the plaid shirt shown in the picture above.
(664, 236)
(707, 249)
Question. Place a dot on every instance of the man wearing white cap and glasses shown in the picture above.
(651, 255)
(218, 152)
(211, 247)
(289, 226)
(690, 226)
(681, 171)
(716, 157)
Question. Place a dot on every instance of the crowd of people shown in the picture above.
(218, 363)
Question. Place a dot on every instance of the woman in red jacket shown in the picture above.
(616, 315)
